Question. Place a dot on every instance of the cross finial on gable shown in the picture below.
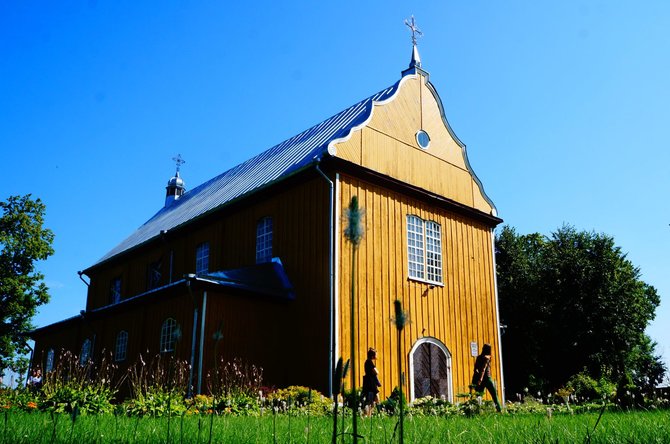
(416, 32)
(179, 161)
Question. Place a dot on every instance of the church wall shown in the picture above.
(461, 310)
(289, 339)
(264, 332)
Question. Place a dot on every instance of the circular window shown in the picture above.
(423, 139)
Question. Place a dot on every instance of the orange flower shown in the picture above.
(31, 405)
(7, 406)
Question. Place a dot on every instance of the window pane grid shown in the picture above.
(85, 352)
(50, 360)
(415, 247)
(202, 258)
(121, 346)
(264, 240)
(424, 249)
(116, 290)
(434, 251)
(168, 335)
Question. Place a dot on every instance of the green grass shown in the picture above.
(614, 427)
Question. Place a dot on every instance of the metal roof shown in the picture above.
(270, 166)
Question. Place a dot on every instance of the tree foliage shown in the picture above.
(23, 242)
(572, 302)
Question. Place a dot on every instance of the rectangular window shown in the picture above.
(154, 275)
(115, 291)
(202, 258)
(424, 249)
(415, 247)
(121, 346)
(264, 240)
(434, 251)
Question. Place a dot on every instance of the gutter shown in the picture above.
(202, 339)
(495, 290)
(331, 275)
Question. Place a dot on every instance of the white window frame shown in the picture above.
(49, 365)
(168, 339)
(121, 349)
(202, 258)
(264, 240)
(85, 355)
(433, 232)
(424, 250)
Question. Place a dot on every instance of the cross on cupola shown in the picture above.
(179, 161)
(416, 32)
(415, 63)
(176, 186)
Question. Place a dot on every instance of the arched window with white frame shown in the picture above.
(430, 370)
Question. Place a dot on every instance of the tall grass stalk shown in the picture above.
(400, 321)
(354, 233)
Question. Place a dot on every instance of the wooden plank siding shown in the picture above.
(263, 332)
(387, 144)
(460, 311)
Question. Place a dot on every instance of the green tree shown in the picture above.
(573, 302)
(23, 241)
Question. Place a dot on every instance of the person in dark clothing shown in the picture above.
(481, 378)
(371, 383)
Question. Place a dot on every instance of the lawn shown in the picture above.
(613, 427)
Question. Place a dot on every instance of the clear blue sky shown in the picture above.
(564, 108)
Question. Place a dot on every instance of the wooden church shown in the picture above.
(259, 253)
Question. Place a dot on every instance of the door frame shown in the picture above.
(447, 353)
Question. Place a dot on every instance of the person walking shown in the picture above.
(481, 377)
(371, 383)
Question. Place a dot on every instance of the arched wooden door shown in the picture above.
(431, 370)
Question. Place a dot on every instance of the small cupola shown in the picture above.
(176, 186)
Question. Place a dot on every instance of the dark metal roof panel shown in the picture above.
(269, 166)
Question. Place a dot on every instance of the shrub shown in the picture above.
(159, 388)
(236, 377)
(155, 401)
(21, 398)
(86, 388)
(392, 403)
(430, 406)
(301, 399)
(586, 388)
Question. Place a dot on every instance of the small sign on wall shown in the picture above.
(473, 348)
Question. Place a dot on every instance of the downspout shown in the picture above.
(30, 364)
(80, 273)
(495, 291)
(193, 335)
(202, 339)
(331, 274)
